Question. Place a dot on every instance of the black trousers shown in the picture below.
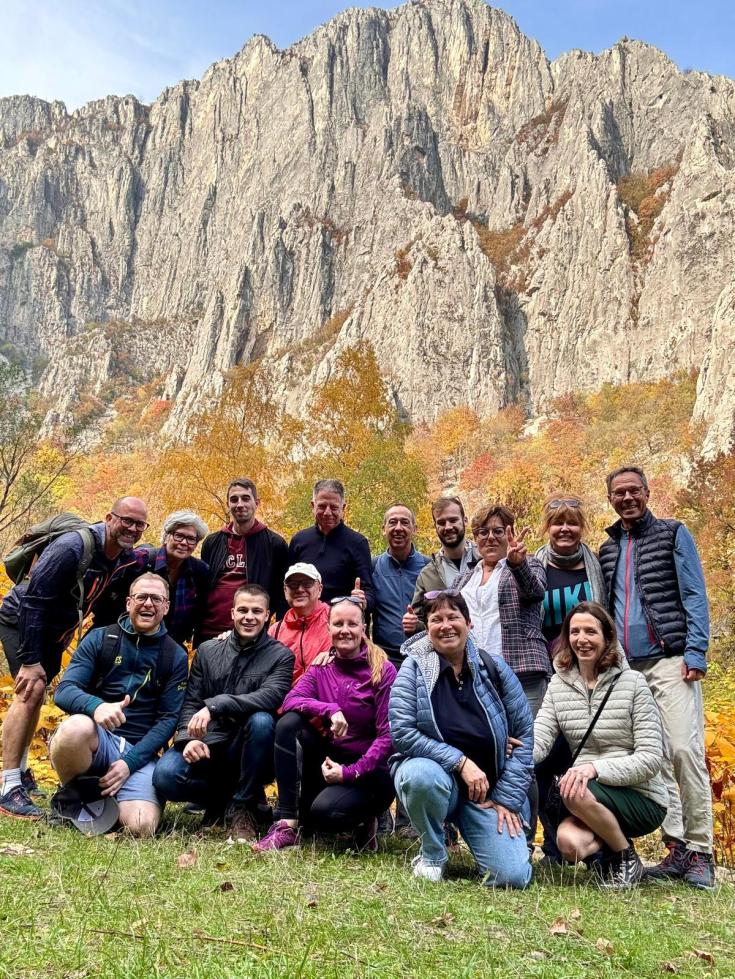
(334, 808)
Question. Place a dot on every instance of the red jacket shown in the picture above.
(305, 636)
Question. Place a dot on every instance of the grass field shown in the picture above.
(72, 907)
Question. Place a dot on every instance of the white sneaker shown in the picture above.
(427, 871)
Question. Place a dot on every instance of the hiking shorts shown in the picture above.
(10, 639)
(137, 788)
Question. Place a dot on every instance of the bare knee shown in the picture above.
(572, 838)
(74, 732)
(140, 818)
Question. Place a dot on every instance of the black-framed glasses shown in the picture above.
(347, 598)
(130, 522)
(184, 539)
(558, 504)
(634, 491)
(142, 597)
(484, 532)
(429, 596)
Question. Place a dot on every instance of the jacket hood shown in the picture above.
(419, 647)
(127, 627)
(257, 528)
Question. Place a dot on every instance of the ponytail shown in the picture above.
(376, 660)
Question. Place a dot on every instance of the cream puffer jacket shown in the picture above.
(626, 743)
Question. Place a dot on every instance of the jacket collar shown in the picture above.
(292, 619)
(639, 527)
(127, 627)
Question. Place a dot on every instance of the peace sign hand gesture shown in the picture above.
(517, 550)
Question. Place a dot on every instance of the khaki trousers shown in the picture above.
(689, 814)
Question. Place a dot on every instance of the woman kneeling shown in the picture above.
(338, 713)
(613, 792)
(452, 709)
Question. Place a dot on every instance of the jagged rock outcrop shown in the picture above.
(498, 226)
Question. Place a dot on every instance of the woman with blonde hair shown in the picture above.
(338, 714)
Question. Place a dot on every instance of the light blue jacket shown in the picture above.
(415, 732)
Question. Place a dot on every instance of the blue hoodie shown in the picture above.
(150, 721)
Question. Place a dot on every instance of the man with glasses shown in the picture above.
(659, 600)
(456, 556)
(244, 551)
(305, 626)
(124, 689)
(38, 619)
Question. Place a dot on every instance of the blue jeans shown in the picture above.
(235, 773)
(431, 796)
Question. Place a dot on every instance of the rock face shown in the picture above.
(498, 226)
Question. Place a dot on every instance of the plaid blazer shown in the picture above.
(521, 602)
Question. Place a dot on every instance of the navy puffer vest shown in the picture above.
(655, 576)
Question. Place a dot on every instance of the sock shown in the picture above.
(11, 779)
(24, 761)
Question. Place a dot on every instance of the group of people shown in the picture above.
(480, 688)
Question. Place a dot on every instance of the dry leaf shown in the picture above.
(312, 900)
(15, 850)
(575, 914)
(559, 927)
(187, 860)
(537, 954)
(603, 945)
(443, 921)
(226, 885)
(699, 953)
(669, 967)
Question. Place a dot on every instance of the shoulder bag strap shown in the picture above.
(587, 733)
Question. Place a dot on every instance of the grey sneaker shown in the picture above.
(18, 804)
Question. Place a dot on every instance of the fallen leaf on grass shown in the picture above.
(559, 927)
(312, 901)
(575, 914)
(443, 921)
(603, 945)
(698, 953)
(669, 967)
(15, 850)
(226, 885)
(187, 860)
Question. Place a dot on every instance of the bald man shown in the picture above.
(38, 619)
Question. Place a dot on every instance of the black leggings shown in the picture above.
(334, 808)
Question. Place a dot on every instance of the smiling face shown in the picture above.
(346, 628)
(565, 536)
(181, 542)
(492, 540)
(249, 614)
(242, 504)
(586, 639)
(147, 604)
(628, 497)
(302, 593)
(399, 529)
(448, 630)
(329, 508)
(125, 523)
(450, 526)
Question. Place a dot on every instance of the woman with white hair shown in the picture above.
(187, 576)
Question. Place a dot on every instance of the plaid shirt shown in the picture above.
(521, 604)
(189, 595)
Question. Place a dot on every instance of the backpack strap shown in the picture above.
(88, 545)
(278, 628)
(106, 660)
(164, 665)
(491, 668)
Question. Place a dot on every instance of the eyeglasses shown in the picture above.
(130, 522)
(184, 539)
(295, 585)
(558, 504)
(484, 532)
(429, 596)
(634, 491)
(142, 597)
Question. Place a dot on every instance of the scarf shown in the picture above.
(591, 566)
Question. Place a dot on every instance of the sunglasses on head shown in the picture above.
(429, 596)
(558, 504)
(346, 598)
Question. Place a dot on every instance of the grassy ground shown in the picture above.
(72, 907)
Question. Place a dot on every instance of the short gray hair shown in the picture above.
(185, 518)
(620, 471)
(329, 486)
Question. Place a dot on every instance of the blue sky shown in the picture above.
(78, 50)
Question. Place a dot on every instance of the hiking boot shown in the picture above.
(366, 836)
(406, 832)
(278, 837)
(625, 871)
(17, 803)
(672, 866)
(427, 871)
(699, 870)
(241, 824)
(29, 783)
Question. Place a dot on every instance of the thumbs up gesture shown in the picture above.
(410, 621)
(358, 593)
(517, 550)
(111, 716)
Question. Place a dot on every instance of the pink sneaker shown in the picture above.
(278, 837)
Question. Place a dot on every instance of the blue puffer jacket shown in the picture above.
(415, 732)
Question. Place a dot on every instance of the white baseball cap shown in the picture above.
(307, 570)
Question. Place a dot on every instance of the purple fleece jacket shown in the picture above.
(345, 684)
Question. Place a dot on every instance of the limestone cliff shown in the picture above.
(499, 226)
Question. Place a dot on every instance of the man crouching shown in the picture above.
(124, 689)
(223, 753)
